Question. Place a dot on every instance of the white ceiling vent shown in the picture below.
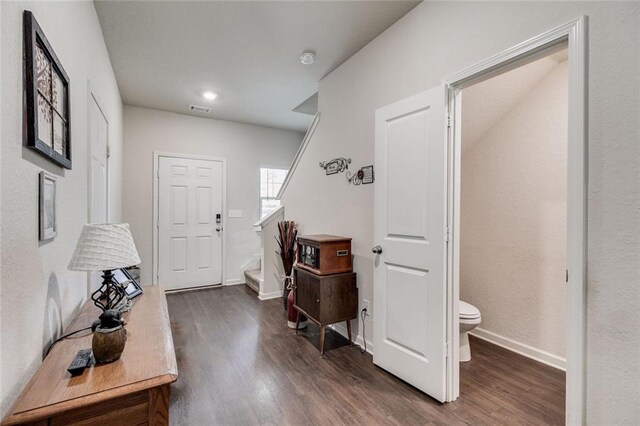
(197, 108)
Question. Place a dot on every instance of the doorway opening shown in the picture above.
(513, 235)
(571, 36)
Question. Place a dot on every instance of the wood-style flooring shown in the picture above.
(239, 364)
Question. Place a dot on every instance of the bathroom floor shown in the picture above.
(240, 364)
(511, 386)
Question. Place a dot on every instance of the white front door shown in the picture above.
(409, 315)
(189, 239)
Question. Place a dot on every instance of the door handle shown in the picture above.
(218, 228)
(377, 249)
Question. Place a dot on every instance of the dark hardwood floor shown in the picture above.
(239, 364)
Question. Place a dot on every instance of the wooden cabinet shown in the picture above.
(326, 299)
(133, 390)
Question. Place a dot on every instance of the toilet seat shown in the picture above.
(468, 311)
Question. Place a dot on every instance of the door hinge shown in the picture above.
(447, 234)
(108, 151)
(448, 121)
(447, 350)
(566, 275)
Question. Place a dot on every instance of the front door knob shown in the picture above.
(218, 228)
(377, 249)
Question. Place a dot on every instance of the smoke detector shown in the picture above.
(307, 58)
(196, 108)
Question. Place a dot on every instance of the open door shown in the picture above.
(409, 316)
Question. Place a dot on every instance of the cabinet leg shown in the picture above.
(349, 332)
(322, 340)
(297, 322)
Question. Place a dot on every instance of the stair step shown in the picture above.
(252, 279)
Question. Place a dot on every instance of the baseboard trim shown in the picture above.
(272, 295)
(196, 288)
(520, 348)
(234, 281)
(342, 329)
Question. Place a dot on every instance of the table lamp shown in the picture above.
(104, 247)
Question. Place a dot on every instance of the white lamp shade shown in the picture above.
(103, 247)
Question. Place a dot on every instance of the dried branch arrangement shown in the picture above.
(287, 233)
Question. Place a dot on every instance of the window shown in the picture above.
(270, 182)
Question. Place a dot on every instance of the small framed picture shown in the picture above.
(131, 286)
(48, 222)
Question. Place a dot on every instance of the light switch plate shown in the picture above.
(235, 213)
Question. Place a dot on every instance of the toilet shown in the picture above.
(469, 319)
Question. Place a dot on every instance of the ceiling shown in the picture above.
(485, 103)
(166, 54)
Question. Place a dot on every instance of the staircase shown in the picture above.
(253, 280)
(266, 277)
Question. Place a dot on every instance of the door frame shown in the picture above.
(92, 96)
(574, 34)
(156, 203)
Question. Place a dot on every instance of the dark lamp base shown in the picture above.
(108, 295)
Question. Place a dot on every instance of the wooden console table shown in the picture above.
(326, 299)
(131, 391)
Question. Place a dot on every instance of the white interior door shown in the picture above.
(189, 239)
(98, 168)
(98, 172)
(409, 220)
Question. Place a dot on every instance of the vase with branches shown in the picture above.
(287, 233)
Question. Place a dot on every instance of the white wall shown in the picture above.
(246, 148)
(513, 235)
(437, 39)
(39, 295)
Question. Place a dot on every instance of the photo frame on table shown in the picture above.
(47, 206)
(46, 96)
(131, 286)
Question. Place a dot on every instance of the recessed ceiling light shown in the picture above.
(308, 58)
(209, 96)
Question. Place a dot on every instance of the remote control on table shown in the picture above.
(81, 361)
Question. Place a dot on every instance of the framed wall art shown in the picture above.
(126, 280)
(47, 97)
(336, 165)
(365, 175)
(47, 209)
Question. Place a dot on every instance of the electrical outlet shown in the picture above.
(365, 305)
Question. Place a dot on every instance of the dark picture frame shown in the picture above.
(122, 276)
(47, 94)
